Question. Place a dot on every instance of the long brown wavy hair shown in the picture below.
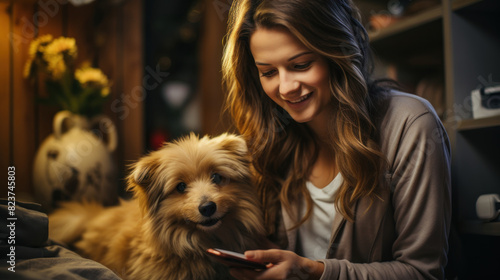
(284, 150)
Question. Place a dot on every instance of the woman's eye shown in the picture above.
(218, 179)
(302, 66)
(268, 73)
(181, 187)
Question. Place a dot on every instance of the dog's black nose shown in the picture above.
(207, 209)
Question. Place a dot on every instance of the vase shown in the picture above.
(75, 162)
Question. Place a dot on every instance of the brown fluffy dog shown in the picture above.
(190, 195)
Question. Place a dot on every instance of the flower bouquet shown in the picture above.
(82, 91)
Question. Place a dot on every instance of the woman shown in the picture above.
(354, 178)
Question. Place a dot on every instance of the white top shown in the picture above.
(314, 234)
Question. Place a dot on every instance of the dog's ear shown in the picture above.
(142, 173)
(141, 180)
(233, 143)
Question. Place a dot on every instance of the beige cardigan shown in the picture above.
(404, 235)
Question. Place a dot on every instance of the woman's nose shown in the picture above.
(288, 84)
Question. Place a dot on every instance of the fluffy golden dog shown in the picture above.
(191, 195)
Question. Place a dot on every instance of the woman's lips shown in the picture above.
(302, 98)
(299, 100)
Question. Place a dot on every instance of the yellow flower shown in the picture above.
(55, 59)
(105, 91)
(36, 49)
(56, 66)
(61, 45)
(93, 77)
(58, 54)
(39, 44)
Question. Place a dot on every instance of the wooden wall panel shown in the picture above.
(24, 105)
(133, 141)
(213, 30)
(79, 24)
(5, 91)
(108, 59)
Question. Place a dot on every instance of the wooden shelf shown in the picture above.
(459, 4)
(21, 1)
(471, 124)
(406, 24)
(480, 228)
(483, 6)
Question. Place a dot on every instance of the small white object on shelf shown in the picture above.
(80, 2)
(486, 102)
(486, 208)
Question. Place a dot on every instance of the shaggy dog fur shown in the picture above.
(190, 195)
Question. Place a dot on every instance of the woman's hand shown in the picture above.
(282, 265)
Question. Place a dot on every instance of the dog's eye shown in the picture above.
(181, 187)
(217, 178)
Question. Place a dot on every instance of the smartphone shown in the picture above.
(234, 259)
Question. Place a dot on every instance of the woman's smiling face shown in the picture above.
(293, 76)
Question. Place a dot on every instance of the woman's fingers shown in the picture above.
(265, 256)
